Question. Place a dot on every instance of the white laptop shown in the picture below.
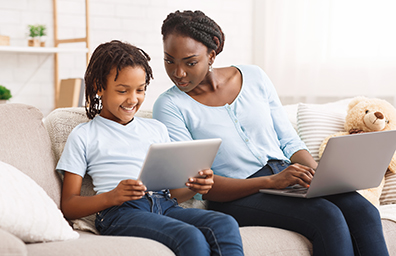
(348, 163)
(169, 165)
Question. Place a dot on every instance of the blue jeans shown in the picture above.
(185, 231)
(343, 224)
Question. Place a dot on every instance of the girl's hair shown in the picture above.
(195, 25)
(114, 54)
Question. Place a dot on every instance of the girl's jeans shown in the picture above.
(185, 231)
(344, 224)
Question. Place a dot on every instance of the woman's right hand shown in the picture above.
(292, 175)
(127, 190)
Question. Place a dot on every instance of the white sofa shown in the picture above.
(29, 149)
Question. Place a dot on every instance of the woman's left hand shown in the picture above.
(203, 183)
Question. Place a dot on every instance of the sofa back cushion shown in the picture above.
(25, 144)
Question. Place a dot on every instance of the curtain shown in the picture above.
(321, 50)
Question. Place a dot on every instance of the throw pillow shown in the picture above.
(388, 195)
(27, 211)
(317, 121)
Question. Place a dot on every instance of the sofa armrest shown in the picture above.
(11, 245)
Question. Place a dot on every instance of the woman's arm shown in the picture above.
(75, 206)
(227, 189)
(305, 158)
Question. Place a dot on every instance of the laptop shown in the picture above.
(348, 163)
(170, 165)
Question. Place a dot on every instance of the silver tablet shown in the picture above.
(169, 165)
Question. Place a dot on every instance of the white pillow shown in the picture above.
(27, 211)
(315, 122)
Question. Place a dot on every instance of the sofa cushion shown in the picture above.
(25, 144)
(274, 241)
(11, 245)
(90, 244)
(27, 211)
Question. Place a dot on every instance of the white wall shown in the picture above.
(29, 76)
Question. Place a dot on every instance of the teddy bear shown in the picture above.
(368, 115)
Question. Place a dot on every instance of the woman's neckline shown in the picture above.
(226, 104)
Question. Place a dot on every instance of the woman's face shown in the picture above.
(186, 61)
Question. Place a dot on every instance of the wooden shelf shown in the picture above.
(20, 49)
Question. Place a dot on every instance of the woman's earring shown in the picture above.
(210, 67)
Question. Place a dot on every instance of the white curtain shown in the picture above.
(321, 50)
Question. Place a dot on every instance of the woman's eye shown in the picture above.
(191, 64)
(168, 61)
(122, 91)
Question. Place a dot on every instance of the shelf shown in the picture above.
(20, 49)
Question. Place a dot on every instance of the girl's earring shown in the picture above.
(210, 67)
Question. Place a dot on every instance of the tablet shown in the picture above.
(169, 165)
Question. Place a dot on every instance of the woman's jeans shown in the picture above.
(343, 224)
(185, 231)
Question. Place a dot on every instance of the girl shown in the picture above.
(260, 149)
(111, 149)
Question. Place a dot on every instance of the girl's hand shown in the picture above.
(292, 175)
(127, 190)
(201, 184)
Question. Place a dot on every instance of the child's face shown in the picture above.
(123, 97)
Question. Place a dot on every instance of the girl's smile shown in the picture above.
(123, 97)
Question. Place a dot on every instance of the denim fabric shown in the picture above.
(343, 224)
(185, 231)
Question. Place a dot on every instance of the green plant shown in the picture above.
(42, 30)
(5, 94)
(33, 31)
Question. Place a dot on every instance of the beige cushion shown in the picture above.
(25, 144)
(27, 211)
(274, 242)
(90, 244)
(11, 245)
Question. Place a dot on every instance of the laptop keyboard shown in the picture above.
(297, 190)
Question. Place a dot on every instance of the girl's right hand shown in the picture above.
(127, 190)
(292, 175)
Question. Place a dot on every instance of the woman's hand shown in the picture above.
(292, 175)
(126, 190)
(201, 184)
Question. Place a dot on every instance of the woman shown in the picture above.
(260, 148)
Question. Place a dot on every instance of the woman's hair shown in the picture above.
(114, 54)
(195, 25)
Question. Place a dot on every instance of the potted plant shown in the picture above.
(42, 32)
(5, 94)
(33, 36)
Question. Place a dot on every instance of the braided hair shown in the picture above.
(195, 25)
(114, 54)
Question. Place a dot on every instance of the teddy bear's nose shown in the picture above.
(379, 115)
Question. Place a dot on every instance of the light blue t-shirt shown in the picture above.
(254, 128)
(110, 152)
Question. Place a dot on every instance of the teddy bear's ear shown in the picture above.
(355, 101)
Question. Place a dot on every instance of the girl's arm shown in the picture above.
(75, 206)
(194, 185)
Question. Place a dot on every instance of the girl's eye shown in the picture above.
(122, 91)
(168, 61)
(191, 64)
